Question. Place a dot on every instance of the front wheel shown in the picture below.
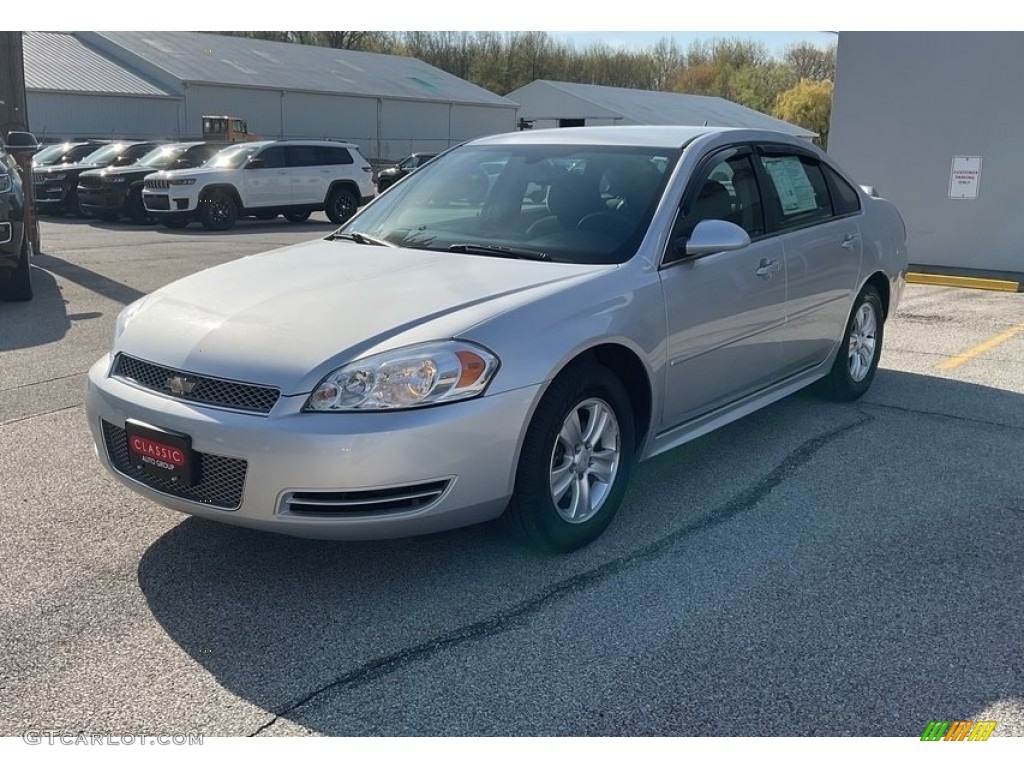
(218, 212)
(19, 284)
(341, 205)
(857, 360)
(136, 208)
(575, 461)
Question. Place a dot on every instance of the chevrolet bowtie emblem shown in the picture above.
(179, 385)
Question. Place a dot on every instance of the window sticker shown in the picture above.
(795, 190)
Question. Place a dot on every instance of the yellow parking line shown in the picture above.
(985, 346)
(954, 281)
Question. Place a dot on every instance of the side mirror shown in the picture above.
(256, 162)
(712, 236)
(21, 141)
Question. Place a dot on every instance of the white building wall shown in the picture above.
(905, 104)
(70, 115)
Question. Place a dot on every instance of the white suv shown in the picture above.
(263, 179)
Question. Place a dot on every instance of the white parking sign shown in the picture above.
(965, 177)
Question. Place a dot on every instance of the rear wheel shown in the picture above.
(575, 461)
(297, 218)
(857, 360)
(71, 205)
(341, 205)
(219, 211)
(18, 286)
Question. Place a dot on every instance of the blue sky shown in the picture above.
(777, 42)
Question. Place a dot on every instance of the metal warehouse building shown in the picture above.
(551, 104)
(160, 84)
(931, 120)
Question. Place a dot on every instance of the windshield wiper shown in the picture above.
(498, 250)
(362, 238)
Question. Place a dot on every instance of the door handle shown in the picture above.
(848, 242)
(767, 268)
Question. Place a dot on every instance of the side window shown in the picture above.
(844, 198)
(273, 157)
(800, 189)
(303, 156)
(727, 191)
(335, 156)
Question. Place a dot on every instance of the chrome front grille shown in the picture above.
(220, 479)
(379, 501)
(38, 178)
(157, 184)
(182, 385)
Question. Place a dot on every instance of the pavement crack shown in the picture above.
(502, 621)
(940, 414)
(41, 413)
(43, 381)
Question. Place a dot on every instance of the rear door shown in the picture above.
(819, 232)
(726, 312)
(306, 163)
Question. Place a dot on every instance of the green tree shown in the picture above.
(809, 105)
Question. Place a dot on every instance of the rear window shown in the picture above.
(844, 198)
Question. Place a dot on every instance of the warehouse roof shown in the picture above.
(659, 107)
(59, 61)
(196, 57)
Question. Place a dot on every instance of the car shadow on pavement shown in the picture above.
(845, 594)
(25, 324)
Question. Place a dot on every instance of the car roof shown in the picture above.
(667, 136)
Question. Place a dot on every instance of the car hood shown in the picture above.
(119, 170)
(288, 317)
(68, 167)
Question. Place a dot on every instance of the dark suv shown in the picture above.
(109, 193)
(56, 186)
(403, 168)
(15, 249)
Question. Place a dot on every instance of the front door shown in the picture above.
(726, 312)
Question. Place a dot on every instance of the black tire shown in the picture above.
(136, 208)
(218, 211)
(71, 206)
(18, 286)
(854, 368)
(297, 218)
(175, 223)
(341, 205)
(533, 511)
(266, 216)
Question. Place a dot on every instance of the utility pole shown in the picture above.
(14, 117)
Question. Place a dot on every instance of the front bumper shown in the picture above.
(52, 194)
(472, 446)
(102, 199)
(169, 202)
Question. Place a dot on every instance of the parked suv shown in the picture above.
(56, 186)
(109, 193)
(15, 249)
(263, 178)
(403, 168)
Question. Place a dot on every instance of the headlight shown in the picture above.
(427, 374)
(181, 182)
(123, 319)
(5, 182)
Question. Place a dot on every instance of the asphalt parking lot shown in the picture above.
(813, 569)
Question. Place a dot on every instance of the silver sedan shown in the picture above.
(507, 331)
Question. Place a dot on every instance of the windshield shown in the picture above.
(161, 157)
(50, 154)
(582, 204)
(232, 157)
(104, 155)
